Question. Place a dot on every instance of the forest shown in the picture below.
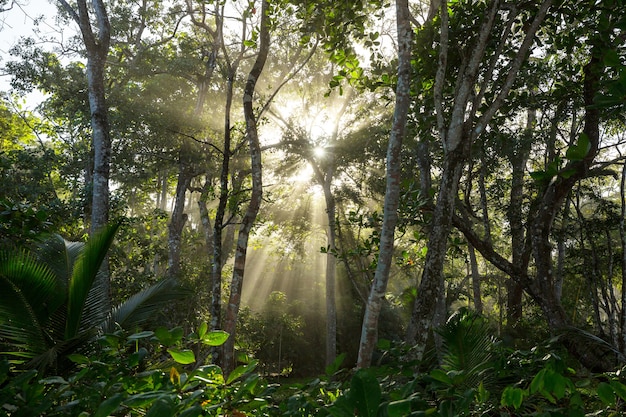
(312, 208)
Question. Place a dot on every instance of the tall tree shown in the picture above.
(234, 303)
(369, 332)
(460, 125)
(97, 41)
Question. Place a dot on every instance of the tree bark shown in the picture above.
(178, 218)
(369, 332)
(457, 137)
(97, 49)
(234, 303)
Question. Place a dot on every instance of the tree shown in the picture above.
(234, 303)
(392, 191)
(459, 127)
(96, 40)
(555, 182)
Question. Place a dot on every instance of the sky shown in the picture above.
(19, 21)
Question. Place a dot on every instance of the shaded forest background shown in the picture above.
(508, 175)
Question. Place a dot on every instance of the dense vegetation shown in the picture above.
(294, 208)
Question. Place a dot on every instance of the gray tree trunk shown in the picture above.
(234, 303)
(97, 47)
(369, 331)
(462, 129)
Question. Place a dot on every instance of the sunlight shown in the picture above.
(289, 261)
(319, 152)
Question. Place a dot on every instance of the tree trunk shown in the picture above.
(331, 267)
(462, 129)
(369, 332)
(478, 301)
(518, 159)
(622, 235)
(97, 49)
(232, 310)
(178, 219)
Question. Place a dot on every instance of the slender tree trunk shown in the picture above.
(622, 235)
(478, 301)
(218, 224)
(178, 218)
(462, 129)
(369, 332)
(97, 48)
(234, 303)
(331, 267)
(518, 159)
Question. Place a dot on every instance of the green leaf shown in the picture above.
(136, 357)
(611, 59)
(619, 389)
(78, 358)
(578, 151)
(202, 329)
(182, 356)
(441, 376)
(140, 335)
(194, 411)
(512, 396)
(161, 408)
(365, 392)
(109, 405)
(215, 338)
(239, 371)
(399, 408)
(606, 393)
(537, 383)
(83, 276)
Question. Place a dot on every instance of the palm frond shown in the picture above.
(468, 346)
(29, 294)
(143, 306)
(84, 273)
(59, 255)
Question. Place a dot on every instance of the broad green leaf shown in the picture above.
(512, 396)
(54, 380)
(441, 376)
(161, 408)
(169, 337)
(611, 58)
(140, 335)
(143, 399)
(578, 151)
(619, 388)
(537, 383)
(239, 371)
(182, 356)
(606, 393)
(136, 357)
(399, 408)
(194, 411)
(108, 406)
(365, 392)
(78, 358)
(202, 329)
(215, 338)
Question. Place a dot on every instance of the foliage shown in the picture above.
(144, 373)
(51, 302)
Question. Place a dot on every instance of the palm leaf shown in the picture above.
(143, 306)
(29, 294)
(84, 273)
(468, 346)
(59, 255)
